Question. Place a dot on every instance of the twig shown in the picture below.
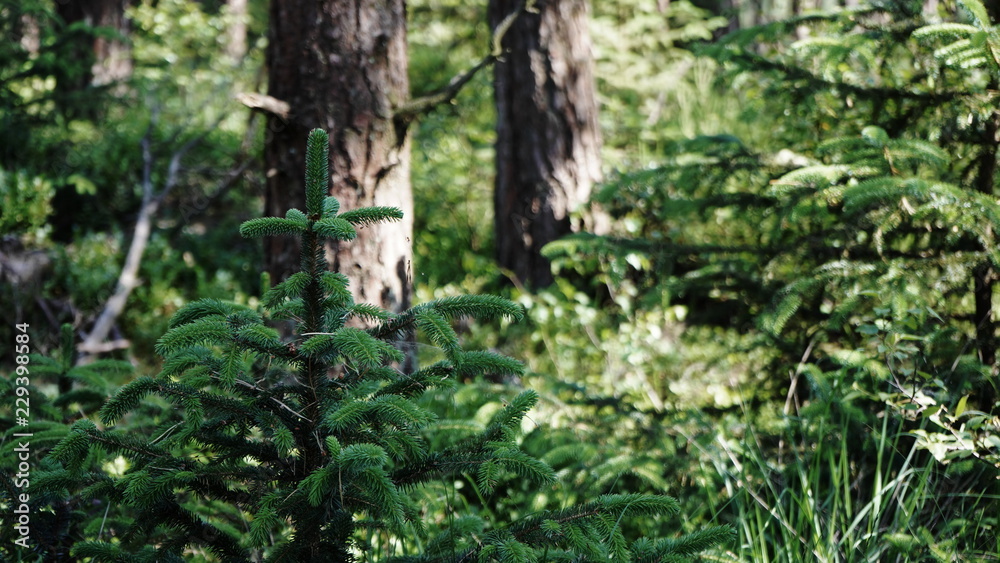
(101, 347)
(414, 108)
(128, 279)
(265, 103)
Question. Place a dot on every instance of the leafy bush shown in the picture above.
(851, 262)
(26, 202)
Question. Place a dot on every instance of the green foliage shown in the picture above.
(26, 202)
(452, 149)
(321, 443)
(847, 259)
(796, 240)
(60, 393)
(72, 160)
(652, 86)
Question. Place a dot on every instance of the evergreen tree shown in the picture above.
(804, 238)
(341, 65)
(851, 252)
(294, 451)
(58, 392)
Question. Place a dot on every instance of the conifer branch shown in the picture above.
(308, 433)
(793, 73)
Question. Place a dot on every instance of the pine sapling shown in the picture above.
(288, 450)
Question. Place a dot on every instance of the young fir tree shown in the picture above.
(287, 451)
(59, 392)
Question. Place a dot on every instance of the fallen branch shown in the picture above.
(128, 279)
(263, 102)
(102, 347)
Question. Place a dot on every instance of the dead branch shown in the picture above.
(102, 347)
(128, 278)
(412, 109)
(263, 102)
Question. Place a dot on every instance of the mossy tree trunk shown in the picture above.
(341, 65)
(548, 141)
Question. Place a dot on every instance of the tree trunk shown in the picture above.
(111, 56)
(236, 44)
(341, 66)
(548, 141)
(985, 276)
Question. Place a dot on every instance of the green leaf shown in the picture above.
(960, 408)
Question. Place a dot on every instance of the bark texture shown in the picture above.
(341, 66)
(111, 56)
(985, 277)
(548, 141)
(236, 46)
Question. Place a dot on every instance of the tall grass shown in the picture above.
(829, 483)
